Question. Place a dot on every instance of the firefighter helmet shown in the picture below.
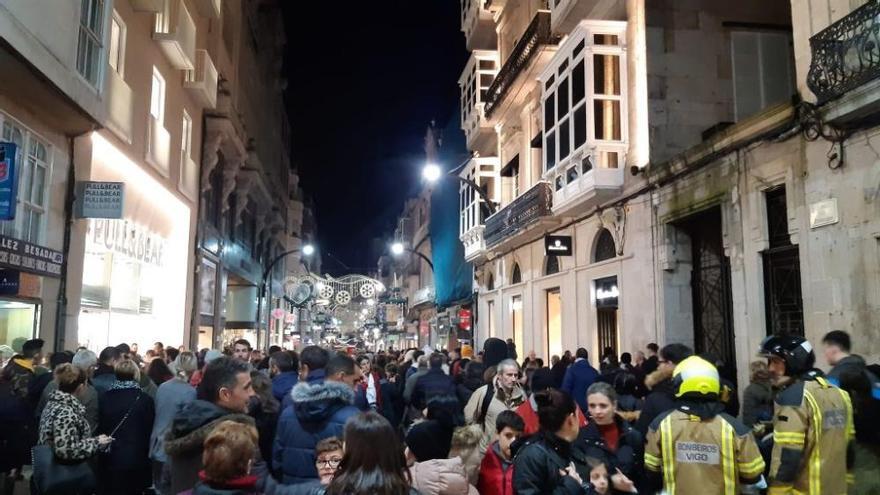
(796, 351)
(697, 378)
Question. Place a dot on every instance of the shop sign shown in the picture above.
(127, 238)
(464, 319)
(9, 280)
(607, 292)
(557, 245)
(99, 199)
(521, 213)
(27, 257)
(8, 182)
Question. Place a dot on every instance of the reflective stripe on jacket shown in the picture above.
(716, 454)
(812, 434)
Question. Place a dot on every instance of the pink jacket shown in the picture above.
(441, 477)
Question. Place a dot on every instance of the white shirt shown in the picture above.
(371, 390)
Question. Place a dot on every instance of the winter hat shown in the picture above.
(542, 379)
(429, 440)
(212, 355)
(494, 351)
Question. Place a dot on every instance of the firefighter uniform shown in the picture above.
(695, 447)
(812, 433)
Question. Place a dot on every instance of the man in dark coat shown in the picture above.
(662, 396)
(284, 370)
(652, 362)
(318, 411)
(433, 383)
(312, 361)
(579, 377)
(105, 375)
(223, 394)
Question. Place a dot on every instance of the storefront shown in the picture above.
(134, 268)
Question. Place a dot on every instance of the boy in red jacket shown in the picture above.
(496, 470)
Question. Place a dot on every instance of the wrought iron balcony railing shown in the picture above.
(537, 34)
(846, 54)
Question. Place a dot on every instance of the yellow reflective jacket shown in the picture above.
(812, 434)
(697, 455)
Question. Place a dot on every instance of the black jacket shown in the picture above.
(433, 383)
(628, 457)
(536, 466)
(466, 389)
(660, 400)
(125, 467)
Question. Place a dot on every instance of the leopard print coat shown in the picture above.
(63, 425)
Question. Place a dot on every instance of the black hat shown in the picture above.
(494, 351)
(429, 440)
(542, 379)
(31, 347)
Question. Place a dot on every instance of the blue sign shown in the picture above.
(8, 182)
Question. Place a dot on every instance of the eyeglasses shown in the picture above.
(331, 463)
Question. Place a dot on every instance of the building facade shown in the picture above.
(117, 108)
(679, 153)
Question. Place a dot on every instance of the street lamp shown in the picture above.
(398, 249)
(432, 173)
(306, 250)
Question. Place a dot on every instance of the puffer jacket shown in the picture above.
(319, 411)
(441, 477)
(628, 457)
(496, 473)
(660, 400)
(186, 437)
(64, 427)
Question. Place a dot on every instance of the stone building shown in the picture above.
(120, 99)
(709, 164)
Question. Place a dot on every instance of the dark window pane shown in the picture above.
(607, 113)
(572, 174)
(486, 80)
(579, 48)
(605, 249)
(562, 67)
(487, 64)
(605, 39)
(606, 74)
(562, 97)
(564, 142)
(560, 181)
(580, 126)
(549, 82)
(578, 88)
(550, 156)
(586, 164)
(549, 111)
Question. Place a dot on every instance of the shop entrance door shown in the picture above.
(710, 285)
(606, 313)
(554, 323)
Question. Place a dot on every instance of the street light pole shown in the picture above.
(306, 250)
(432, 173)
(398, 248)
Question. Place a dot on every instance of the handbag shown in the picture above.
(53, 476)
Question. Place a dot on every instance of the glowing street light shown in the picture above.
(432, 172)
(308, 250)
(397, 248)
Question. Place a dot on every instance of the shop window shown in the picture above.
(33, 157)
(584, 98)
(19, 322)
(551, 265)
(90, 47)
(490, 317)
(554, 323)
(605, 248)
(116, 53)
(516, 275)
(516, 319)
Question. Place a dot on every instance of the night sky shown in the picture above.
(365, 79)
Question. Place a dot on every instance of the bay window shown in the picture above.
(33, 159)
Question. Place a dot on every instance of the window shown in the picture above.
(157, 96)
(34, 161)
(762, 70)
(490, 281)
(516, 317)
(510, 179)
(584, 102)
(90, 46)
(551, 265)
(490, 310)
(185, 139)
(116, 53)
(516, 275)
(605, 249)
(480, 74)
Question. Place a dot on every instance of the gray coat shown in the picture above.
(171, 396)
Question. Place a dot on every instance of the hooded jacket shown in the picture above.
(318, 411)
(186, 437)
(283, 383)
(660, 400)
(441, 477)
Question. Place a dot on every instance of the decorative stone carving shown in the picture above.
(230, 173)
(614, 219)
(210, 154)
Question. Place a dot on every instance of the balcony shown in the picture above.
(474, 244)
(120, 110)
(422, 297)
(583, 185)
(158, 146)
(477, 25)
(520, 61)
(566, 14)
(483, 171)
(147, 5)
(477, 76)
(846, 64)
(525, 219)
(189, 177)
(175, 32)
(201, 81)
(209, 8)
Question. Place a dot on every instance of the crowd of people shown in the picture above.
(239, 421)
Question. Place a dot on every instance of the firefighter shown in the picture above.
(696, 447)
(812, 423)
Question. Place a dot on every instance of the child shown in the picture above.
(496, 470)
(328, 453)
(229, 455)
(600, 483)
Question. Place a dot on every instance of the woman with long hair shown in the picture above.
(373, 463)
(264, 409)
(544, 464)
(159, 372)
